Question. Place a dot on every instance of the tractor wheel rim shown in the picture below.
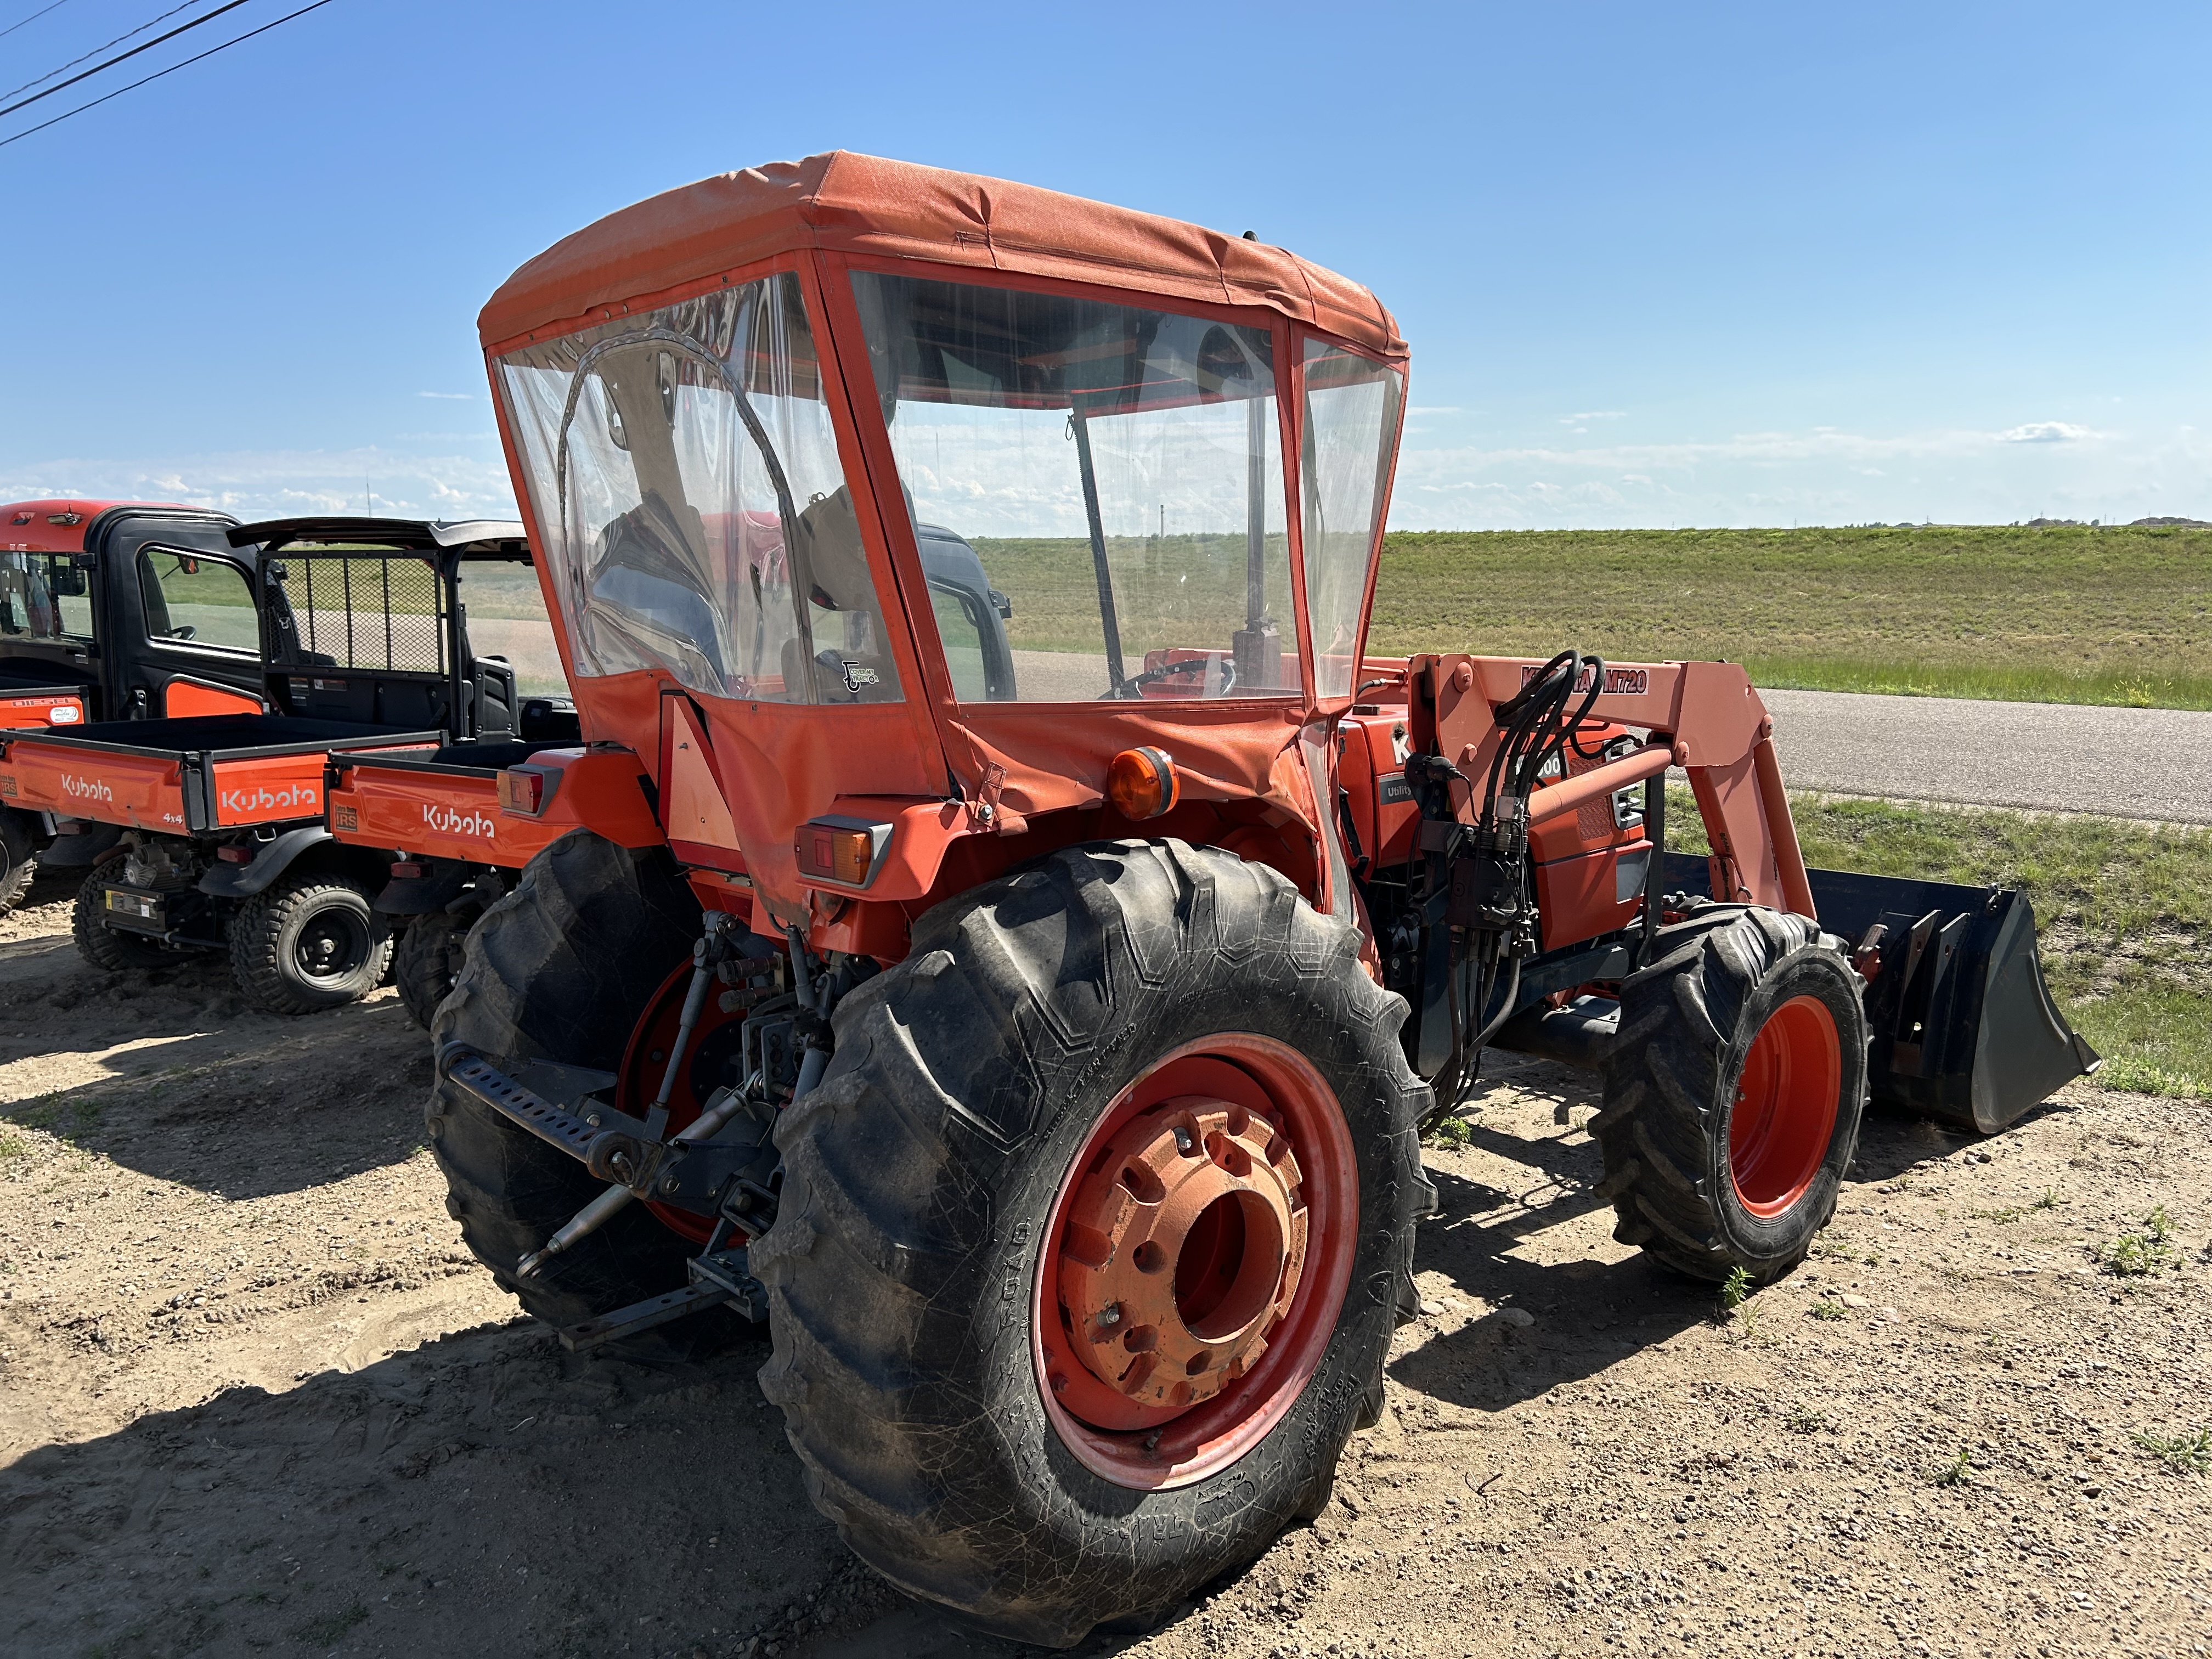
(1195, 1261)
(1785, 1113)
(332, 945)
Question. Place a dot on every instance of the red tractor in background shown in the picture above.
(1036, 1027)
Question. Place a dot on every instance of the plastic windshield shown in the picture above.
(1118, 472)
(694, 512)
(1350, 434)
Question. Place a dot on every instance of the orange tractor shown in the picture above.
(1032, 1008)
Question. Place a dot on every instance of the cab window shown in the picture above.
(43, 596)
(194, 599)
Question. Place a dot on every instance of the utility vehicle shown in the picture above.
(217, 818)
(110, 611)
(1043, 1056)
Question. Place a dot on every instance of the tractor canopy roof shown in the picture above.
(863, 204)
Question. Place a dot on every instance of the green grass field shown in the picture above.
(2065, 615)
(2124, 911)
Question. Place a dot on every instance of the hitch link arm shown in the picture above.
(603, 1208)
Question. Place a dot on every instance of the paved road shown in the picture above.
(2132, 763)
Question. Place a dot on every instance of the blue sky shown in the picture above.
(1693, 264)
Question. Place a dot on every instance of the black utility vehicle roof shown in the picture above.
(503, 537)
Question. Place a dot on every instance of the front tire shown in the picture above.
(1148, 1000)
(19, 859)
(1734, 1093)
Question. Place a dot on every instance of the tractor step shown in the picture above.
(1965, 1030)
(588, 1135)
(719, 1280)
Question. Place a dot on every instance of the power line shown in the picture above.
(34, 16)
(231, 5)
(96, 51)
(158, 74)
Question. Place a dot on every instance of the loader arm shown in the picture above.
(1706, 713)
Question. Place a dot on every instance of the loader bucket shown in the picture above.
(1963, 1029)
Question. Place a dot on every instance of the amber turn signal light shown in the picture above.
(847, 851)
(522, 791)
(1141, 783)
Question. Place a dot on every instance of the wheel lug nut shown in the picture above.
(1110, 1314)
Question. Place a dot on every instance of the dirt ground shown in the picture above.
(254, 1397)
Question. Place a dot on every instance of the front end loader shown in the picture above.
(1059, 931)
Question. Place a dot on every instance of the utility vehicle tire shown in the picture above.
(109, 949)
(1734, 1093)
(428, 960)
(925, 1271)
(562, 969)
(305, 943)
(19, 859)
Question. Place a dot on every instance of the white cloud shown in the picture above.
(273, 483)
(1594, 414)
(2047, 431)
(1432, 409)
(452, 396)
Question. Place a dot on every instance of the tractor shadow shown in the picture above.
(1527, 1170)
(485, 1492)
(1892, 1143)
(1559, 1312)
(169, 1073)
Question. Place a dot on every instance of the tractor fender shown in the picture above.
(239, 881)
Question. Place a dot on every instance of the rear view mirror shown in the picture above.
(68, 580)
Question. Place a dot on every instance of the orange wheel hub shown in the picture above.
(1182, 1249)
(1195, 1261)
(1786, 1100)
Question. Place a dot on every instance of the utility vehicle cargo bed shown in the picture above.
(184, 776)
(442, 804)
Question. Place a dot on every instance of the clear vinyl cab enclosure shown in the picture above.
(1060, 930)
(875, 523)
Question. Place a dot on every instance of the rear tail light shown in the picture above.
(523, 790)
(68, 826)
(1141, 783)
(234, 855)
(848, 851)
(406, 870)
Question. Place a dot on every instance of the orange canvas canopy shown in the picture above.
(863, 204)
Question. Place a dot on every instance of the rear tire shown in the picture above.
(426, 961)
(109, 949)
(915, 1292)
(562, 968)
(307, 943)
(1734, 1094)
